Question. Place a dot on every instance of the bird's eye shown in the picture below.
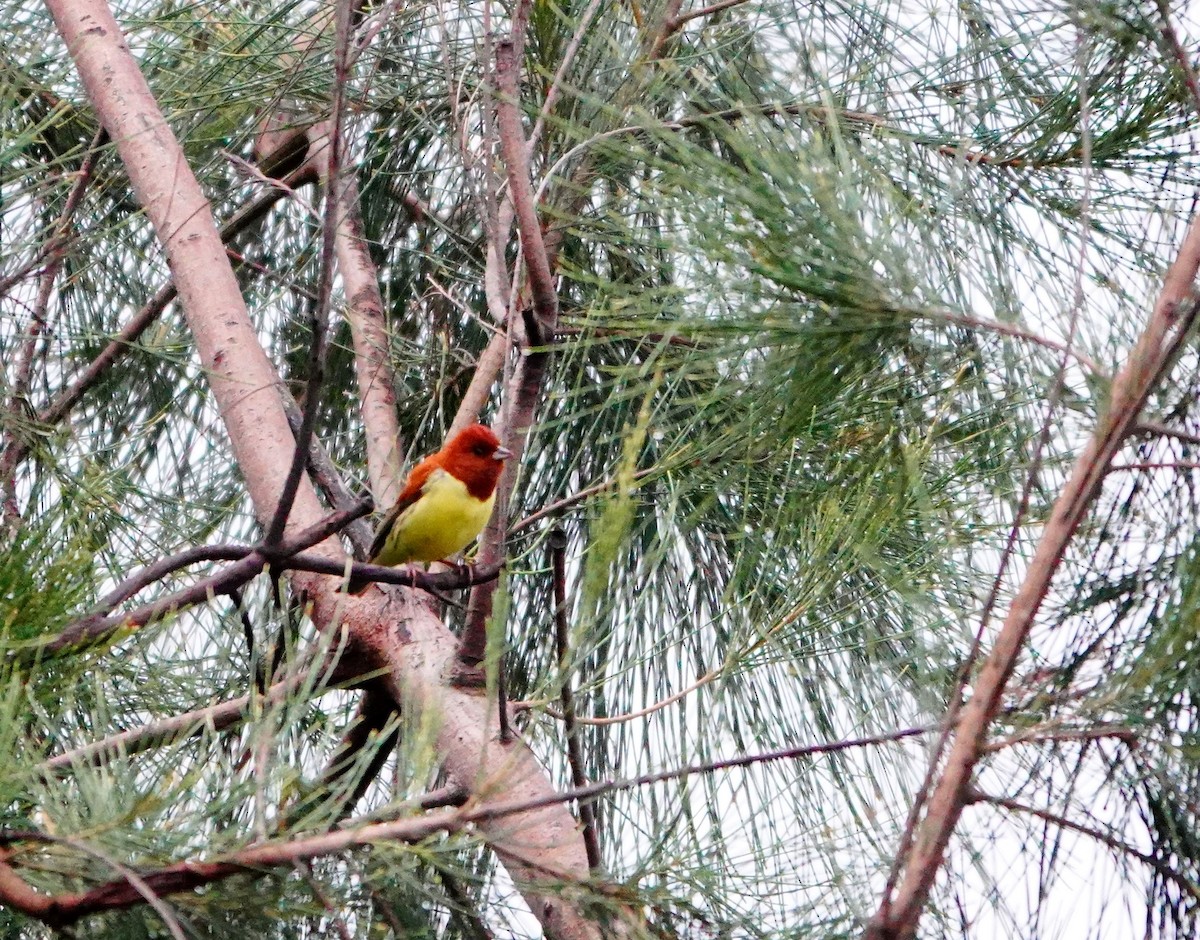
(481, 450)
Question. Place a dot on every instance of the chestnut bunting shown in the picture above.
(446, 502)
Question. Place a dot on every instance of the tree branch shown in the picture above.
(557, 544)
(327, 477)
(374, 719)
(319, 319)
(17, 451)
(54, 250)
(1117, 845)
(1158, 429)
(61, 910)
(99, 625)
(372, 349)
(188, 724)
(1167, 328)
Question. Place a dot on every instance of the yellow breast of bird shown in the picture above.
(442, 522)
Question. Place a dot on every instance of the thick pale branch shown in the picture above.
(487, 370)
(514, 148)
(344, 238)
(372, 348)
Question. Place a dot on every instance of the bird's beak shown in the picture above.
(501, 453)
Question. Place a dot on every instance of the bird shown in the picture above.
(446, 501)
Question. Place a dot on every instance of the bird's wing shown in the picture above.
(414, 487)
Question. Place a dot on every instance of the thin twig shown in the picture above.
(60, 231)
(633, 715)
(514, 148)
(684, 18)
(251, 213)
(303, 868)
(556, 543)
(1157, 465)
(373, 726)
(143, 578)
(259, 672)
(1038, 736)
(87, 631)
(217, 717)
(99, 626)
(1158, 429)
(568, 57)
(455, 578)
(657, 41)
(1014, 331)
(286, 185)
(872, 122)
(1117, 845)
(567, 501)
(129, 876)
(1179, 53)
(327, 477)
(398, 927)
(461, 906)
(19, 390)
(16, 451)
